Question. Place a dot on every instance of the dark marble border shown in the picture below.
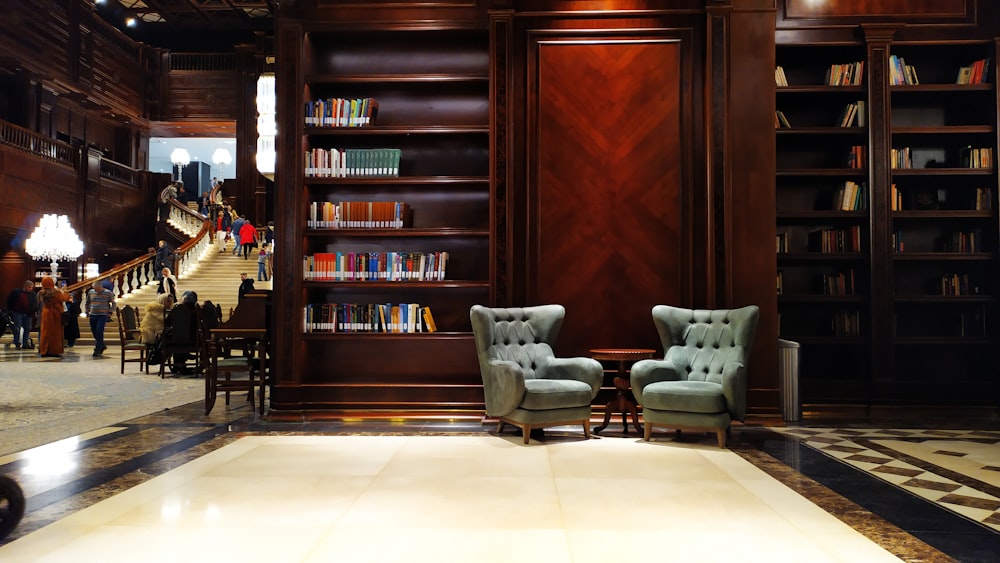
(908, 526)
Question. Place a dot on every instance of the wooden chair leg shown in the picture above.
(721, 436)
(526, 429)
(586, 429)
(500, 424)
(647, 430)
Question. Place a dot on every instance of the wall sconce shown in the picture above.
(180, 158)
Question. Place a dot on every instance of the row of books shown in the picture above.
(901, 158)
(847, 74)
(930, 198)
(341, 112)
(856, 158)
(901, 73)
(853, 114)
(368, 317)
(847, 239)
(852, 196)
(841, 283)
(976, 73)
(779, 77)
(961, 241)
(780, 121)
(345, 163)
(981, 157)
(845, 323)
(955, 284)
(375, 266)
(358, 215)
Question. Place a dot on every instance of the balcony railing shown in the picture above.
(117, 172)
(36, 144)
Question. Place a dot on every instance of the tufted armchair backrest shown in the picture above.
(522, 334)
(700, 342)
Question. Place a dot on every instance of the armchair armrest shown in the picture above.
(503, 386)
(734, 389)
(587, 370)
(645, 372)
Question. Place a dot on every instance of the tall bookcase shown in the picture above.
(892, 290)
(431, 85)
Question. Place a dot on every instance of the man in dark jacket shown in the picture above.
(22, 304)
(162, 259)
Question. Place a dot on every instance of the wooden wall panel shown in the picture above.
(912, 9)
(202, 95)
(607, 209)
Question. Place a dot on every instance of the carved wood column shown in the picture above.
(878, 38)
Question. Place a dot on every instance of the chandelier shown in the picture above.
(53, 240)
(180, 158)
(267, 127)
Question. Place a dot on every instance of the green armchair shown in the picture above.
(701, 382)
(524, 383)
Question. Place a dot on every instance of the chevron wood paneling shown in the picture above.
(607, 206)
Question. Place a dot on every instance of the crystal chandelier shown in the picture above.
(53, 240)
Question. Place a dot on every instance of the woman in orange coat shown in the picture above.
(50, 338)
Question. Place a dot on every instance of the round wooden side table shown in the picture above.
(621, 403)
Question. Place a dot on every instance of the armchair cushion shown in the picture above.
(684, 396)
(546, 394)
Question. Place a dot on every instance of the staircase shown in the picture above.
(216, 278)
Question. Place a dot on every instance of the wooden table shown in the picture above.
(621, 403)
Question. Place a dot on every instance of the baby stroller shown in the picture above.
(11, 505)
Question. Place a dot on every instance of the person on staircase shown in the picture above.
(237, 225)
(100, 307)
(248, 238)
(168, 284)
(162, 259)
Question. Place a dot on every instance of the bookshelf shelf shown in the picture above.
(439, 181)
(398, 79)
(393, 233)
(380, 130)
(399, 286)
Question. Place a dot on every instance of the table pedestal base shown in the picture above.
(621, 404)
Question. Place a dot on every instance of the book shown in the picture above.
(429, 323)
(779, 77)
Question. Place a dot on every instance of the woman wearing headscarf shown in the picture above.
(50, 338)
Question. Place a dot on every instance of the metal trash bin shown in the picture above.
(788, 367)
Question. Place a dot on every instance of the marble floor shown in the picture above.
(233, 486)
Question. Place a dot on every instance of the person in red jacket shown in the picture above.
(248, 238)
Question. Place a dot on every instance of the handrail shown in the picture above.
(117, 172)
(36, 144)
(133, 275)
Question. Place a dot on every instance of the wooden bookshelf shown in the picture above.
(925, 276)
(431, 84)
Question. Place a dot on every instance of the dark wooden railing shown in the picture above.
(117, 172)
(36, 144)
